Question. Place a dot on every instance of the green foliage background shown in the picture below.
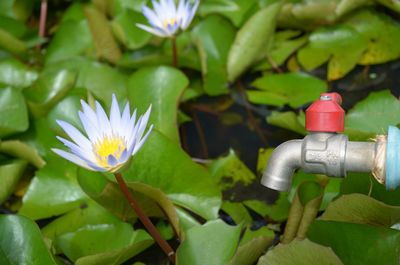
(275, 56)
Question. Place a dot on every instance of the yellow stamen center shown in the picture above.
(169, 21)
(113, 145)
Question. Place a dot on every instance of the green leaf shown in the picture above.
(11, 44)
(66, 110)
(331, 186)
(212, 243)
(366, 184)
(278, 211)
(85, 218)
(346, 6)
(53, 191)
(72, 38)
(10, 173)
(89, 213)
(230, 170)
(186, 220)
(284, 45)
(103, 38)
(238, 212)
(251, 40)
(149, 85)
(100, 239)
(12, 26)
(14, 115)
(375, 113)
(214, 6)
(358, 244)
(382, 34)
(286, 87)
(213, 37)
(341, 45)
(15, 74)
(21, 150)
(125, 29)
(245, 9)
(21, 242)
(51, 86)
(102, 80)
(252, 245)
(361, 209)
(152, 200)
(300, 252)
(394, 5)
(188, 56)
(287, 120)
(304, 209)
(192, 186)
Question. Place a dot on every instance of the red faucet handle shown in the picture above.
(325, 114)
(334, 96)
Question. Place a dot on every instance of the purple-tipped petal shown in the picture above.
(103, 120)
(72, 158)
(75, 134)
(141, 142)
(152, 18)
(91, 130)
(86, 155)
(115, 115)
(112, 161)
(124, 156)
(154, 31)
(143, 123)
(89, 113)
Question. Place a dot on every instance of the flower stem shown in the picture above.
(145, 220)
(174, 52)
(42, 20)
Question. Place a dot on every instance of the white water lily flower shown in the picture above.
(166, 19)
(110, 142)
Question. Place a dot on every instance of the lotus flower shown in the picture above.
(166, 19)
(110, 142)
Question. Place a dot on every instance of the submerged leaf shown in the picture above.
(230, 170)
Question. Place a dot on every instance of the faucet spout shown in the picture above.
(285, 159)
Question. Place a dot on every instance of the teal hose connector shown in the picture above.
(392, 180)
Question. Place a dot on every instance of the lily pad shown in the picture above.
(14, 114)
(341, 45)
(375, 113)
(53, 191)
(382, 34)
(10, 173)
(361, 209)
(148, 85)
(21, 242)
(300, 252)
(374, 245)
(212, 243)
(282, 89)
(213, 38)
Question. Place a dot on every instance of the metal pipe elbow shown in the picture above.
(285, 159)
